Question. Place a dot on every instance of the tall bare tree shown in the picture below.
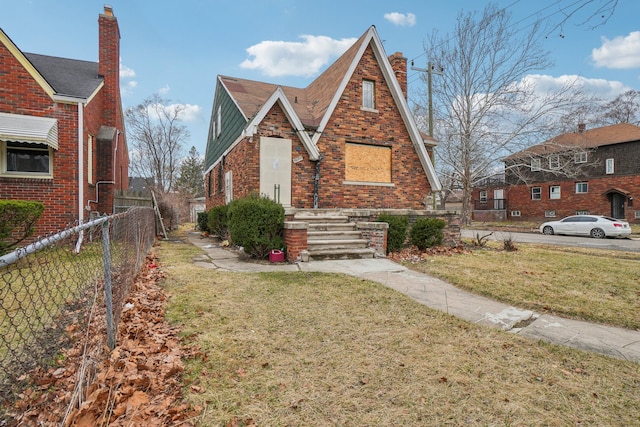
(156, 136)
(485, 105)
(625, 108)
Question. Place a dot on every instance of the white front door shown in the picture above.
(275, 169)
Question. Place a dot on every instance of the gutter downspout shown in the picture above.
(80, 173)
(316, 183)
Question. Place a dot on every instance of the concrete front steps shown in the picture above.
(332, 236)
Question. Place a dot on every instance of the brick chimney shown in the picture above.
(399, 65)
(581, 127)
(109, 67)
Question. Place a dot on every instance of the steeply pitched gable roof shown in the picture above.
(314, 104)
(587, 139)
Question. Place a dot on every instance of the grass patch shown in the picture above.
(319, 349)
(595, 285)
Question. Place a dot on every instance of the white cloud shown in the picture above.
(306, 58)
(601, 88)
(126, 72)
(188, 112)
(164, 89)
(620, 52)
(402, 19)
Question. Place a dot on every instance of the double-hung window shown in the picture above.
(368, 94)
(536, 193)
(609, 167)
(554, 192)
(554, 162)
(582, 187)
(535, 165)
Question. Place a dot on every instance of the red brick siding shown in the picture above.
(349, 123)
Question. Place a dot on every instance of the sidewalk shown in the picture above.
(439, 295)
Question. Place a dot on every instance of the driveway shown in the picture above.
(632, 244)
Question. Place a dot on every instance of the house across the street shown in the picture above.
(589, 171)
(62, 139)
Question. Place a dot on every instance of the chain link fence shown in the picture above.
(48, 288)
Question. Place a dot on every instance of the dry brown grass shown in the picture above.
(594, 285)
(327, 350)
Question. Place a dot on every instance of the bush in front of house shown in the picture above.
(203, 222)
(397, 232)
(256, 224)
(427, 233)
(218, 221)
(17, 220)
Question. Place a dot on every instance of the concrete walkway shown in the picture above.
(439, 295)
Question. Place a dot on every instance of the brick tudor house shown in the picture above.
(62, 139)
(346, 141)
(605, 179)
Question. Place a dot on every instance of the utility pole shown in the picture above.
(430, 70)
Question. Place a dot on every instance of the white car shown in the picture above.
(597, 226)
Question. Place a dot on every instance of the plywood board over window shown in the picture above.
(367, 163)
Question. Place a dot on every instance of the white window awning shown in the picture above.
(29, 129)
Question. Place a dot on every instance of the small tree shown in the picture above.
(191, 175)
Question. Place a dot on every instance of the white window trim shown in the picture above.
(228, 187)
(580, 157)
(368, 97)
(550, 213)
(483, 196)
(515, 213)
(609, 166)
(219, 121)
(554, 162)
(90, 179)
(13, 174)
(539, 193)
(535, 165)
(580, 184)
(554, 195)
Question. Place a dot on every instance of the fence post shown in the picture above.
(111, 341)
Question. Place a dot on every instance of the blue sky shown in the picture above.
(177, 48)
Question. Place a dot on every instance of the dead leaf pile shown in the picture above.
(138, 383)
(414, 255)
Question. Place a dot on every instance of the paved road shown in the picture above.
(632, 245)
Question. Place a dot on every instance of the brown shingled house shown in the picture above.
(603, 178)
(348, 140)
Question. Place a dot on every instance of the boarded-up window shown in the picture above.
(367, 163)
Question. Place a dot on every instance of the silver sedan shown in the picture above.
(597, 226)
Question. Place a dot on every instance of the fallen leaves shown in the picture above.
(414, 255)
(138, 383)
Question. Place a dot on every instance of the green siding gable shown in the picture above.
(233, 123)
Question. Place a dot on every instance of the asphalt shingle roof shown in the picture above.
(68, 77)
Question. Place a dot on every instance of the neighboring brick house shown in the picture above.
(605, 177)
(62, 139)
(348, 140)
